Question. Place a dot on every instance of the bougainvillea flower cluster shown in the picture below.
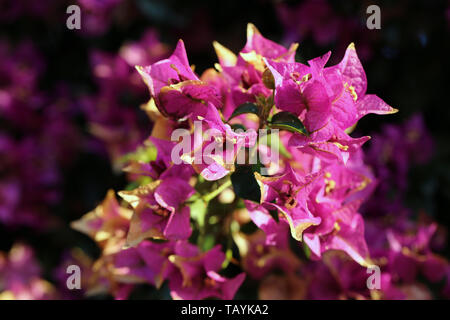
(203, 226)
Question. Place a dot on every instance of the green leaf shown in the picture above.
(198, 211)
(247, 107)
(244, 182)
(132, 185)
(287, 121)
(229, 257)
(307, 250)
(274, 214)
(145, 153)
(208, 242)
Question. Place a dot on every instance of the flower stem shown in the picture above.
(208, 197)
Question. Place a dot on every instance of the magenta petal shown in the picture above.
(344, 110)
(318, 106)
(179, 226)
(313, 242)
(231, 286)
(317, 64)
(179, 58)
(172, 192)
(275, 231)
(151, 253)
(288, 97)
(265, 47)
(213, 172)
(353, 71)
(350, 239)
(186, 249)
(172, 70)
(213, 259)
(371, 103)
(434, 267)
(282, 71)
(163, 148)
